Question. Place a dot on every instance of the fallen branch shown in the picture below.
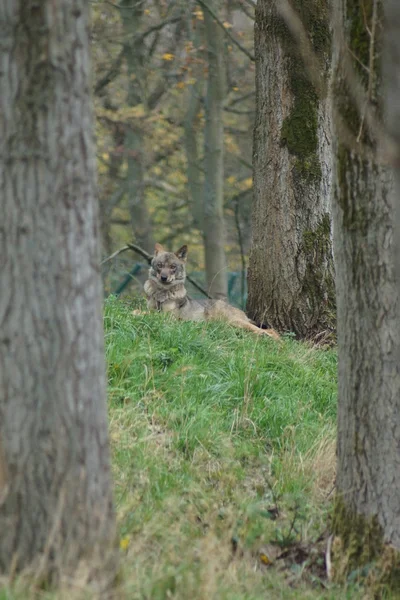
(149, 258)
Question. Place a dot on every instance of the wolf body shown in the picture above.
(166, 292)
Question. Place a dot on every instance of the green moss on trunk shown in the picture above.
(360, 552)
(300, 128)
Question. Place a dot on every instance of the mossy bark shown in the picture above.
(367, 513)
(291, 276)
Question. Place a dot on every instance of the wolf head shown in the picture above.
(168, 268)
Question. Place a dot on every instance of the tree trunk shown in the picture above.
(56, 506)
(194, 167)
(290, 278)
(367, 509)
(391, 61)
(134, 141)
(213, 218)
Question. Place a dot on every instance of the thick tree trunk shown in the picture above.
(368, 480)
(134, 141)
(56, 506)
(290, 276)
(391, 62)
(213, 218)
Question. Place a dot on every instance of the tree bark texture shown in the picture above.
(368, 477)
(290, 278)
(134, 140)
(56, 507)
(213, 217)
(391, 74)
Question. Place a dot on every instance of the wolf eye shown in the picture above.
(159, 265)
(173, 267)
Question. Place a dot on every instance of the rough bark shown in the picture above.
(134, 140)
(391, 73)
(290, 275)
(213, 217)
(368, 478)
(57, 507)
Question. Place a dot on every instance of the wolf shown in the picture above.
(166, 292)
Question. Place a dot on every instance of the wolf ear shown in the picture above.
(158, 249)
(182, 253)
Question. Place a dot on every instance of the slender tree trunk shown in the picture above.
(367, 510)
(213, 218)
(134, 141)
(56, 507)
(290, 276)
(194, 168)
(113, 190)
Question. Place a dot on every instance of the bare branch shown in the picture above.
(157, 27)
(239, 112)
(114, 254)
(226, 31)
(245, 10)
(241, 99)
(110, 75)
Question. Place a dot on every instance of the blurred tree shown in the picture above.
(135, 55)
(367, 515)
(213, 212)
(56, 507)
(195, 171)
(290, 279)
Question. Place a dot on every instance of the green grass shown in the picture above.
(223, 447)
(223, 443)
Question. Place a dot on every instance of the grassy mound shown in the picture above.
(223, 450)
(224, 455)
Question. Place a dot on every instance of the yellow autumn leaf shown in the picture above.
(168, 56)
(124, 542)
(198, 13)
(227, 25)
(180, 85)
(246, 184)
(264, 559)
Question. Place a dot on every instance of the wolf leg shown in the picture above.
(250, 327)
